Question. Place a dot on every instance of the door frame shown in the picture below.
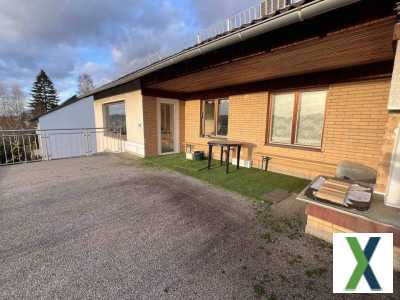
(175, 102)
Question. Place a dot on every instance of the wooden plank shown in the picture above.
(360, 45)
(334, 191)
(331, 197)
(333, 188)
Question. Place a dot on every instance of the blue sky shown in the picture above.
(104, 38)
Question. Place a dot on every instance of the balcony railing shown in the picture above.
(230, 23)
(22, 146)
(266, 8)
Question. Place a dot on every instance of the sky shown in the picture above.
(104, 38)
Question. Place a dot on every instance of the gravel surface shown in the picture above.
(99, 227)
(103, 227)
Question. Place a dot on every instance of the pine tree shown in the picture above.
(44, 95)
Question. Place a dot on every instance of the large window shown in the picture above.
(114, 117)
(215, 117)
(297, 118)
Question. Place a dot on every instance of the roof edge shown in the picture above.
(290, 17)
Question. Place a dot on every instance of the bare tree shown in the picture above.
(12, 110)
(3, 99)
(85, 84)
(17, 103)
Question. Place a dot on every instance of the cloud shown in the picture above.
(101, 37)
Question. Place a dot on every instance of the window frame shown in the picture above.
(104, 109)
(295, 118)
(216, 103)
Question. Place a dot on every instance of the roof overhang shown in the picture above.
(357, 45)
(293, 16)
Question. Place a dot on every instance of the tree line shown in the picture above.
(15, 114)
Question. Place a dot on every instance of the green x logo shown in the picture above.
(363, 268)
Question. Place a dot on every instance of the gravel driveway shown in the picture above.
(99, 227)
(103, 227)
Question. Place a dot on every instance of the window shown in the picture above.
(209, 115)
(282, 118)
(215, 116)
(223, 112)
(298, 118)
(114, 117)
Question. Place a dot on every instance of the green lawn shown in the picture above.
(253, 183)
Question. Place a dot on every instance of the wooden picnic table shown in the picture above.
(228, 144)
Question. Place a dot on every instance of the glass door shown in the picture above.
(167, 127)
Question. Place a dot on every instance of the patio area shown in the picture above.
(253, 183)
(107, 227)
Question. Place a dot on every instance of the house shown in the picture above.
(70, 117)
(308, 85)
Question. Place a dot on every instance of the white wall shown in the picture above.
(393, 189)
(73, 142)
(77, 115)
(133, 100)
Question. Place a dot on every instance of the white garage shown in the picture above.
(68, 130)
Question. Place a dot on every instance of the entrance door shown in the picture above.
(168, 126)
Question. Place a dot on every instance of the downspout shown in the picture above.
(290, 17)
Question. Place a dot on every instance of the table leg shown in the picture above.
(209, 156)
(222, 155)
(238, 156)
(227, 159)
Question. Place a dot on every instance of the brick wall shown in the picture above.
(182, 125)
(354, 128)
(150, 125)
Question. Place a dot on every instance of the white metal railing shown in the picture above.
(230, 23)
(22, 146)
(266, 8)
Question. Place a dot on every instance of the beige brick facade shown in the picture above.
(357, 125)
(356, 117)
(150, 125)
(182, 125)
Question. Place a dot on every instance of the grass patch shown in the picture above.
(259, 290)
(252, 183)
(318, 272)
(294, 259)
